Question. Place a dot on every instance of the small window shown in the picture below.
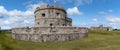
(43, 15)
(51, 24)
(38, 23)
(57, 14)
(63, 24)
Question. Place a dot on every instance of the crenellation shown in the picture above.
(44, 6)
(47, 7)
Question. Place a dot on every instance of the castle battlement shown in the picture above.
(46, 6)
(50, 30)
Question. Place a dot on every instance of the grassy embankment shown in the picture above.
(6, 42)
(96, 40)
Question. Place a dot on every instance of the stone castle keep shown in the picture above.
(51, 24)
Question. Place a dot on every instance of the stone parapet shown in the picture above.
(46, 6)
(44, 34)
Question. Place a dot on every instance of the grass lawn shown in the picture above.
(96, 40)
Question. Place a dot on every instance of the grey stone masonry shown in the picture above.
(51, 16)
(51, 24)
(44, 34)
(101, 27)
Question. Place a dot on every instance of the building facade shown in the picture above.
(51, 24)
(101, 27)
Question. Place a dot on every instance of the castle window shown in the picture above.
(51, 24)
(38, 23)
(63, 24)
(57, 14)
(43, 15)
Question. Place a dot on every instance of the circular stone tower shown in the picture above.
(46, 15)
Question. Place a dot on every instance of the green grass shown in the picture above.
(6, 42)
(96, 40)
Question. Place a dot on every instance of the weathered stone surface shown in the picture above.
(51, 24)
(44, 34)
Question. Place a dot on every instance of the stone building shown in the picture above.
(101, 27)
(51, 24)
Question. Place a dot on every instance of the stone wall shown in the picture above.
(44, 34)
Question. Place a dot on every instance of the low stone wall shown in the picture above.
(44, 34)
(48, 37)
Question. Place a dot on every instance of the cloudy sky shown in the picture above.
(20, 13)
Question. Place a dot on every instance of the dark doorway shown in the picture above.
(107, 29)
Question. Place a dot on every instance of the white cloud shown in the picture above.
(102, 12)
(105, 12)
(115, 25)
(82, 2)
(2, 10)
(94, 20)
(18, 18)
(110, 10)
(76, 2)
(74, 11)
(1, 16)
(55, 1)
(113, 19)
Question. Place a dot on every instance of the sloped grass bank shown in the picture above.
(6, 42)
(96, 40)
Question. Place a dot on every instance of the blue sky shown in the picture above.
(20, 13)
